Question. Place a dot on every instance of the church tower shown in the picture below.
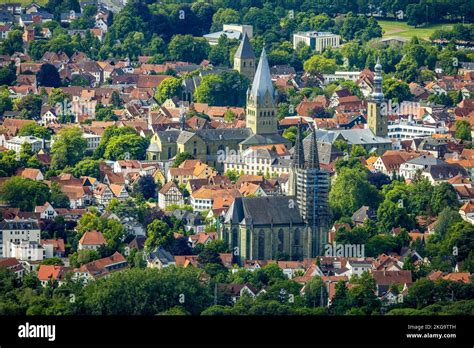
(244, 58)
(261, 101)
(310, 185)
(377, 122)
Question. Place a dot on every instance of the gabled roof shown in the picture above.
(392, 277)
(92, 238)
(51, 272)
(245, 51)
(166, 187)
(263, 211)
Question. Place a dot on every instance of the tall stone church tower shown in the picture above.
(310, 185)
(376, 117)
(244, 58)
(261, 101)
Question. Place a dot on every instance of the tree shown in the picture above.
(5, 101)
(58, 199)
(68, 147)
(24, 193)
(224, 16)
(443, 196)
(104, 113)
(407, 70)
(120, 146)
(60, 6)
(180, 158)
(187, 48)
(145, 186)
(115, 100)
(290, 134)
(87, 167)
(13, 43)
(48, 76)
(168, 88)
(7, 75)
(396, 91)
(350, 191)
(209, 255)
(314, 292)
(120, 295)
(223, 89)
(223, 52)
(340, 302)
(232, 174)
(83, 256)
(447, 217)
(58, 96)
(35, 130)
(463, 130)
(109, 133)
(30, 106)
(159, 234)
(229, 116)
(319, 64)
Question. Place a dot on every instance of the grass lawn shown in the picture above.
(25, 2)
(402, 29)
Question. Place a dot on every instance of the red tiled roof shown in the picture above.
(92, 238)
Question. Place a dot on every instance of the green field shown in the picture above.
(394, 28)
(25, 2)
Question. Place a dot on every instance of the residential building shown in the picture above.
(91, 240)
(418, 164)
(27, 251)
(100, 268)
(17, 231)
(170, 194)
(13, 265)
(51, 273)
(160, 258)
(16, 143)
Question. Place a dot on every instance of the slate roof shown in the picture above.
(263, 211)
(363, 213)
(262, 81)
(164, 256)
(445, 171)
(425, 161)
(170, 135)
(264, 139)
(245, 51)
(24, 224)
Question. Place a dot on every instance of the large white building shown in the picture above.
(93, 141)
(258, 161)
(232, 31)
(27, 251)
(408, 129)
(17, 231)
(341, 76)
(15, 143)
(411, 167)
(316, 40)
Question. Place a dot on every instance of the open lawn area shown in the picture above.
(402, 29)
(25, 2)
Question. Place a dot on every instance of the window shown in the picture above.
(261, 244)
(281, 240)
(296, 237)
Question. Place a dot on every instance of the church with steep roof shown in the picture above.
(261, 119)
(290, 227)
